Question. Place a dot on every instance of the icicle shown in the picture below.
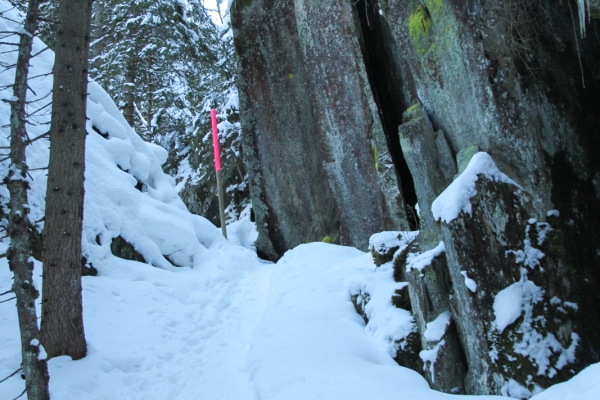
(581, 5)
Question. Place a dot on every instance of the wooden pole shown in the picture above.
(215, 132)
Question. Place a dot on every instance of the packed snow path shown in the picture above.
(237, 328)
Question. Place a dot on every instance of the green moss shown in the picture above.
(412, 108)
(431, 276)
(330, 239)
(419, 24)
(376, 156)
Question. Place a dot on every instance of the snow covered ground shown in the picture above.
(224, 324)
(234, 328)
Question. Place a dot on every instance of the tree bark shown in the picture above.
(129, 97)
(62, 319)
(33, 363)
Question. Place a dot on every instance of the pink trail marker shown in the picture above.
(215, 132)
(215, 135)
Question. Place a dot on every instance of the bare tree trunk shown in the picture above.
(34, 362)
(62, 319)
(129, 96)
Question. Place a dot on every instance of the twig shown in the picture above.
(9, 51)
(11, 375)
(42, 136)
(8, 291)
(40, 52)
(40, 98)
(36, 76)
(4, 301)
(22, 393)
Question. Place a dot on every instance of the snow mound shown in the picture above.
(457, 196)
(126, 192)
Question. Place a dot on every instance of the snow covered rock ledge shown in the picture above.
(457, 197)
(497, 279)
(514, 339)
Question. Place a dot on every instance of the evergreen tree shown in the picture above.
(149, 55)
(166, 64)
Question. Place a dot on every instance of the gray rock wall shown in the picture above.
(511, 78)
(290, 194)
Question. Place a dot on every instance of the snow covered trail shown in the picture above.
(156, 334)
(234, 328)
(311, 343)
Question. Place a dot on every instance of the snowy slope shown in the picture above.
(225, 325)
(154, 219)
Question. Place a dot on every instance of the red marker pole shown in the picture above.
(215, 134)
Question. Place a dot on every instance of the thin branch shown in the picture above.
(22, 393)
(37, 76)
(40, 98)
(8, 67)
(9, 51)
(8, 291)
(11, 375)
(40, 52)
(32, 91)
(4, 301)
(42, 136)
(10, 32)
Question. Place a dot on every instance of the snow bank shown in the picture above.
(127, 193)
(457, 196)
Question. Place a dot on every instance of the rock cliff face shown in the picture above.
(353, 113)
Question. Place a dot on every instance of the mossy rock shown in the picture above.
(408, 354)
(419, 23)
(419, 27)
(331, 239)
